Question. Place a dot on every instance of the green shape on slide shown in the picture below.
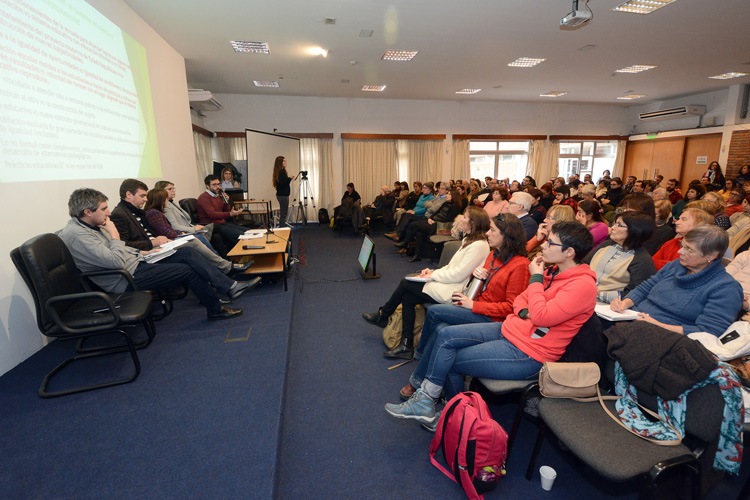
(150, 160)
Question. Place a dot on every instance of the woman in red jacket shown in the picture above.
(545, 318)
(505, 274)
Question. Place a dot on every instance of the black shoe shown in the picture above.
(224, 313)
(376, 318)
(239, 268)
(401, 351)
(415, 259)
(241, 287)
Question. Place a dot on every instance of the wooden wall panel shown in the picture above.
(668, 158)
(638, 157)
(708, 145)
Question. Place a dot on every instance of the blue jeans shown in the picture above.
(438, 317)
(479, 350)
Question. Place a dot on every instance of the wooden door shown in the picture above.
(708, 145)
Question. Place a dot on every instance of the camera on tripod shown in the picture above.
(303, 173)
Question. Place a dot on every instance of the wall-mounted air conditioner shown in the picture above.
(679, 112)
(202, 100)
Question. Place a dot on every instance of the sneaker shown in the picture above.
(432, 426)
(419, 407)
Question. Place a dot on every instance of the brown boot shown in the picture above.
(407, 391)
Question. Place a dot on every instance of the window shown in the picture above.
(586, 157)
(498, 159)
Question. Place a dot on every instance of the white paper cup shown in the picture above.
(548, 476)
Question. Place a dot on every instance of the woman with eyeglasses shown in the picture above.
(694, 192)
(693, 293)
(689, 220)
(545, 318)
(621, 263)
(505, 274)
(556, 213)
(734, 205)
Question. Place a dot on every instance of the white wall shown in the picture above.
(41, 208)
(388, 116)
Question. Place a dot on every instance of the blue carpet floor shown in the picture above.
(284, 402)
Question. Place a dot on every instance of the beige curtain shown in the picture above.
(369, 164)
(316, 158)
(460, 167)
(619, 166)
(229, 149)
(549, 162)
(424, 160)
(537, 150)
(203, 155)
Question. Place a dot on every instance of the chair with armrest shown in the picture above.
(616, 454)
(67, 309)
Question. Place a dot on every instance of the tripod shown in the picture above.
(298, 209)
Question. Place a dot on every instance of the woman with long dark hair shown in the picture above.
(281, 182)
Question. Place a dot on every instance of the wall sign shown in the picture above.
(701, 160)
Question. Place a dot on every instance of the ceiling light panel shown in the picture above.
(252, 47)
(399, 55)
(727, 76)
(525, 62)
(642, 6)
(365, 33)
(468, 91)
(630, 97)
(265, 83)
(636, 68)
(553, 93)
(373, 88)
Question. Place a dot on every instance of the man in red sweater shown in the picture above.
(214, 208)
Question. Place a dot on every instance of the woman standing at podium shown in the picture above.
(281, 182)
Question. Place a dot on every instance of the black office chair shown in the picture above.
(190, 205)
(66, 308)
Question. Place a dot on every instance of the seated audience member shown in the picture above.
(693, 293)
(744, 175)
(734, 205)
(178, 218)
(590, 215)
(227, 179)
(381, 206)
(348, 199)
(419, 230)
(562, 197)
(615, 194)
(689, 220)
(721, 219)
(726, 190)
(587, 192)
(498, 201)
(156, 200)
(442, 282)
(706, 183)
(664, 229)
(463, 200)
(545, 318)
(714, 176)
(621, 263)
(537, 212)
(740, 219)
(214, 208)
(407, 199)
(528, 181)
(694, 192)
(660, 194)
(95, 244)
(558, 213)
(519, 205)
(673, 190)
(420, 208)
(601, 189)
(739, 269)
(130, 219)
(505, 274)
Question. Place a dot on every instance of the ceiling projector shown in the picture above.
(575, 19)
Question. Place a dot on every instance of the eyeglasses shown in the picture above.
(553, 244)
(620, 224)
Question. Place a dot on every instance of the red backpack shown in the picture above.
(474, 445)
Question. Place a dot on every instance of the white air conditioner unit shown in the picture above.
(202, 100)
(679, 112)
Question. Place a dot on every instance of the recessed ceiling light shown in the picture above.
(525, 62)
(636, 68)
(265, 83)
(254, 47)
(553, 93)
(468, 91)
(586, 48)
(373, 88)
(399, 55)
(497, 86)
(727, 76)
(629, 97)
(365, 33)
(330, 20)
(642, 6)
(345, 81)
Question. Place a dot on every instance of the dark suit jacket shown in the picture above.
(131, 231)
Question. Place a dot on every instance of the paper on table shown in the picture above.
(603, 311)
(252, 234)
